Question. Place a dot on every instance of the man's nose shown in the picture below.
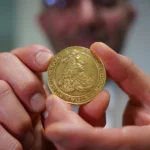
(86, 11)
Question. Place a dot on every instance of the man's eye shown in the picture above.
(55, 3)
(105, 3)
(50, 3)
(60, 3)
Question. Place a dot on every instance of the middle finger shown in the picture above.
(25, 84)
(12, 114)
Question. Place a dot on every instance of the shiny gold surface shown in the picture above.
(76, 75)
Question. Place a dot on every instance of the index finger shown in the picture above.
(36, 57)
(126, 138)
(124, 72)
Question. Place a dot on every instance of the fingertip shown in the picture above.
(36, 57)
(101, 100)
(94, 44)
(94, 112)
(99, 45)
(57, 102)
(42, 59)
(102, 51)
(106, 96)
(56, 110)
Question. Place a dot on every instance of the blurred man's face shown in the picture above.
(83, 22)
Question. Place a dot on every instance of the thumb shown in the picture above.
(125, 73)
(59, 111)
(61, 122)
(94, 112)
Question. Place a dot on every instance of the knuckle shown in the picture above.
(128, 61)
(17, 146)
(1, 130)
(14, 50)
(36, 46)
(4, 88)
(5, 56)
(63, 138)
(23, 126)
(29, 86)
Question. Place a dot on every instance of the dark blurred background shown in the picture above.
(7, 24)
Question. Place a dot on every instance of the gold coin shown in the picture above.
(76, 75)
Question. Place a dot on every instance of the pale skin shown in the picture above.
(69, 131)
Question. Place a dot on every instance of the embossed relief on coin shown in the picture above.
(76, 77)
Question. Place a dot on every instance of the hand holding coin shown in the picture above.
(70, 131)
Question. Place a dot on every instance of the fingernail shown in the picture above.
(38, 102)
(43, 57)
(100, 48)
(96, 47)
(28, 140)
(45, 114)
(49, 103)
